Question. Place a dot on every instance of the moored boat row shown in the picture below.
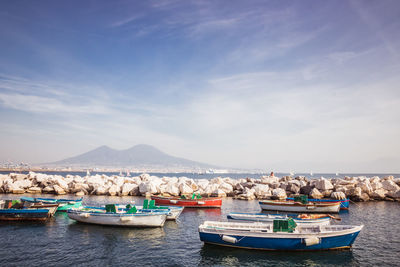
(258, 231)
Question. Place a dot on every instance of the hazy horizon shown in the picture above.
(276, 85)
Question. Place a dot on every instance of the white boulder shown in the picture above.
(279, 193)
(323, 184)
(315, 193)
(338, 195)
(185, 189)
(390, 185)
(172, 189)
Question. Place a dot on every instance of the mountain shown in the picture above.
(136, 156)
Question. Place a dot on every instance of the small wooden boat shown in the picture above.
(292, 206)
(302, 219)
(209, 202)
(64, 204)
(281, 235)
(17, 212)
(344, 203)
(119, 217)
(174, 211)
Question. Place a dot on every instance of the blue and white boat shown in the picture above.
(266, 237)
(344, 203)
(174, 211)
(63, 204)
(119, 217)
(323, 219)
(18, 212)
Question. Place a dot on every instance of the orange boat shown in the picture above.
(208, 202)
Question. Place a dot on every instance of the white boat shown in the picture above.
(292, 206)
(138, 219)
(276, 236)
(269, 218)
(174, 211)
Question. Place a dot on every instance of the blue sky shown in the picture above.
(277, 85)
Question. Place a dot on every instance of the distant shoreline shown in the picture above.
(140, 171)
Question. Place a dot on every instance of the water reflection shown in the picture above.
(152, 236)
(225, 256)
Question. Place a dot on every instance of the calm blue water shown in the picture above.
(64, 242)
(231, 175)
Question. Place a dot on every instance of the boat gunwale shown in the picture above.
(111, 214)
(270, 234)
(297, 204)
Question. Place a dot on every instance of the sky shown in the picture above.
(277, 85)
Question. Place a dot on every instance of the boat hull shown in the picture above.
(344, 203)
(51, 207)
(64, 204)
(290, 206)
(116, 219)
(24, 214)
(262, 237)
(327, 243)
(189, 203)
(269, 218)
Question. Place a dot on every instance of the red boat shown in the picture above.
(208, 202)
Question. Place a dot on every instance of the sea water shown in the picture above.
(64, 242)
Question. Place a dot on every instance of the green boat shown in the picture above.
(64, 204)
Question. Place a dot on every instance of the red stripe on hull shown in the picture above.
(189, 203)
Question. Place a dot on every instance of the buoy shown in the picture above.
(85, 215)
(126, 218)
(201, 202)
(229, 239)
(311, 241)
(173, 201)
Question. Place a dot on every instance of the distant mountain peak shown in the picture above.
(137, 156)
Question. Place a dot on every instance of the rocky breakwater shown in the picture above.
(267, 187)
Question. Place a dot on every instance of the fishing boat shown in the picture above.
(344, 203)
(63, 204)
(194, 202)
(17, 212)
(280, 235)
(111, 215)
(294, 206)
(302, 219)
(174, 211)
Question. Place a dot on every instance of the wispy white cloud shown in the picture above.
(125, 21)
(40, 104)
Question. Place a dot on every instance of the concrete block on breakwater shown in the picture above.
(356, 188)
